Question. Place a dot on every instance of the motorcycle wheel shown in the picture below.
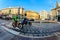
(19, 26)
(13, 25)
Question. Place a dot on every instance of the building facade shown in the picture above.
(15, 11)
(32, 15)
(43, 15)
(56, 12)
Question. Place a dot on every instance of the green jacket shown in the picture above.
(16, 18)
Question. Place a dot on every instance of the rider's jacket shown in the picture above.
(15, 18)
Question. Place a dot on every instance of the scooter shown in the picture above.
(18, 24)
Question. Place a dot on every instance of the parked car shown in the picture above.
(47, 19)
(31, 19)
(6, 17)
(3, 16)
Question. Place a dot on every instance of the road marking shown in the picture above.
(11, 31)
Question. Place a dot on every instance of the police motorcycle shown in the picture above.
(20, 24)
(25, 21)
(16, 24)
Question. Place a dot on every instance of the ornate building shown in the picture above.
(11, 11)
(32, 15)
(56, 11)
(43, 15)
(15, 11)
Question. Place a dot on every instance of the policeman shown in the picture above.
(15, 18)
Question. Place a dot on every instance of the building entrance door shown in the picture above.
(59, 18)
(58, 15)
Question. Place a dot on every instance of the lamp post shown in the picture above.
(10, 11)
(18, 13)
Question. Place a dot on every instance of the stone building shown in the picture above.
(32, 15)
(11, 11)
(14, 11)
(43, 15)
(56, 11)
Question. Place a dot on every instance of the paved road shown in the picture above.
(4, 35)
(42, 27)
(35, 29)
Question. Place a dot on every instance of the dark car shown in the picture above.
(47, 19)
(31, 19)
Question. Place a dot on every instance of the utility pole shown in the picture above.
(9, 12)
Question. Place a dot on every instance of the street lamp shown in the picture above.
(18, 13)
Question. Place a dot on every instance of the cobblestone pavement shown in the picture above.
(38, 29)
(4, 35)
(43, 29)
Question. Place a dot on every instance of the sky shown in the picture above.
(34, 5)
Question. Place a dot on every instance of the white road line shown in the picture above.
(11, 31)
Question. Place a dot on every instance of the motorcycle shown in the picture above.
(20, 24)
(26, 22)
